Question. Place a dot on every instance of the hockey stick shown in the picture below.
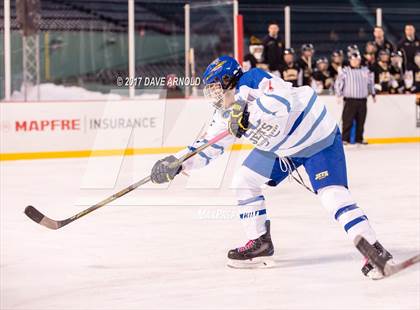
(385, 267)
(43, 220)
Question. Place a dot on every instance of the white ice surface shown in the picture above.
(163, 248)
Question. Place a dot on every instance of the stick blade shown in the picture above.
(40, 218)
(384, 266)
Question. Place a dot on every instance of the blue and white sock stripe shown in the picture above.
(251, 214)
(355, 222)
(349, 216)
(344, 210)
(250, 200)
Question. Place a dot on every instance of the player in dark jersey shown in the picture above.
(369, 56)
(396, 73)
(351, 50)
(323, 82)
(416, 73)
(306, 63)
(290, 70)
(254, 59)
(337, 58)
(381, 71)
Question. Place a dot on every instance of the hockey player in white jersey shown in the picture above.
(289, 127)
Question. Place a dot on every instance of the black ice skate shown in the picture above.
(369, 269)
(255, 254)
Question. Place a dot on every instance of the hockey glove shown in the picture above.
(238, 122)
(165, 169)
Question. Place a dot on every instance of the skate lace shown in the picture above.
(286, 167)
(247, 246)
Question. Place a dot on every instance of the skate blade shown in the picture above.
(253, 263)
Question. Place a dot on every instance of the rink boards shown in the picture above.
(150, 126)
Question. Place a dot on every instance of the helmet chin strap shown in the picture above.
(219, 105)
(234, 80)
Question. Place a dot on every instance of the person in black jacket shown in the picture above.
(412, 77)
(369, 56)
(396, 73)
(380, 42)
(381, 70)
(290, 70)
(409, 45)
(337, 58)
(416, 73)
(254, 59)
(273, 48)
(306, 63)
(323, 82)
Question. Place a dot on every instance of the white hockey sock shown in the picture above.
(253, 215)
(341, 205)
(251, 204)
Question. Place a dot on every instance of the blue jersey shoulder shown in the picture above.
(252, 78)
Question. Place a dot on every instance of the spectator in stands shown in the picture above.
(381, 71)
(351, 49)
(322, 81)
(273, 48)
(337, 58)
(412, 77)
(369, 57)
(396, 73)
(290, 71)
(355, 83)
(254, 59)
(409, 45)
(380, 42)
(306, 63)
(416, 74)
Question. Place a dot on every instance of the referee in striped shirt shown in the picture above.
(355, 83)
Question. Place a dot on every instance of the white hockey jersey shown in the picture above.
(286, 120)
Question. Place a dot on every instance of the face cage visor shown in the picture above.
(215, 93)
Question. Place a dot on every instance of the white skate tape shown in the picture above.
(375, 274)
